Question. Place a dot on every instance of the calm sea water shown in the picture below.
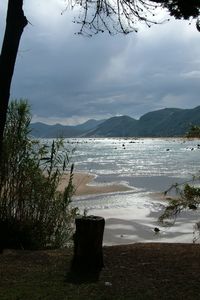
(145, 165)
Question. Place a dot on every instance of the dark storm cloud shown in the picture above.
(67, 77)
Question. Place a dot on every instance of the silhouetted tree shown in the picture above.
(96, 16)
(15, 23)
(181, 9)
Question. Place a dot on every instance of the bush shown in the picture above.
(187, 198)
(187, 195)
(33, 213)
(194, 132)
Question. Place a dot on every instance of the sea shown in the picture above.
(149, 167)
(144, 164)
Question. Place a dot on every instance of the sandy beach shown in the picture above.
(135, 221)
(83, 185)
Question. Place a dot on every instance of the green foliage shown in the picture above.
(182, 9)
(194, 132)
(188, 197)
(33, 213)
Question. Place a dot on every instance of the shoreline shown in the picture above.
(130, 217)
(83, 185)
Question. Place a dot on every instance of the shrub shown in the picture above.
(187, 193)
(194, 132)
(33, 213)
(187, 198)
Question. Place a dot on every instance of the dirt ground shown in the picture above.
(136, 271)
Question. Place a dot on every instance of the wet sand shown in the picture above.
(136, 223)
(83, 185)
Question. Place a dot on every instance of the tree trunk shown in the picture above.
(15, 23)
(88, 252)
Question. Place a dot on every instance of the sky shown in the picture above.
(69, 78)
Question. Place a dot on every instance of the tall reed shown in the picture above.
(33, 213)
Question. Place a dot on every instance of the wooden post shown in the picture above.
(88, 252)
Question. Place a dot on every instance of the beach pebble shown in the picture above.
(156, 230)
(107, 283)
(192, 206)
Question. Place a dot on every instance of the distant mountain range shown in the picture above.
(168, 122)
(51, 131)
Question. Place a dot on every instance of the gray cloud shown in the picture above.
(67, 77)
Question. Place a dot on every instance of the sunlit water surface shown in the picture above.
(145, 165)
(148, 166)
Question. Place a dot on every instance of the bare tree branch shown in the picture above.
(122, 16)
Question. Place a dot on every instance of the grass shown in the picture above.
(137, 271)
